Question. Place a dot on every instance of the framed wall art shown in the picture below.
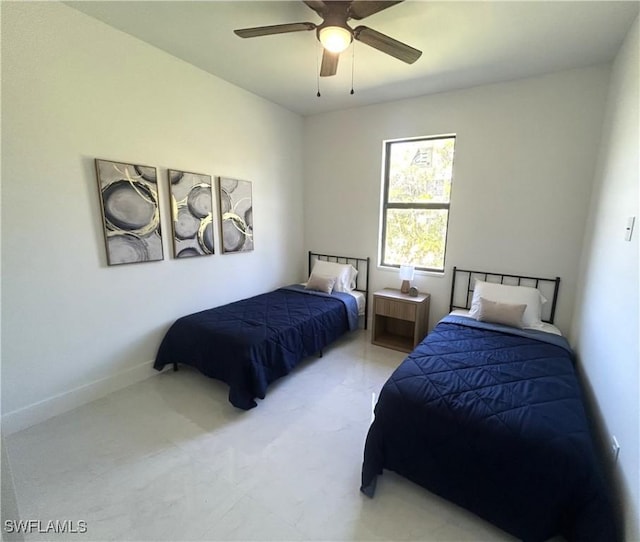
(191, 213)
(236, 215)
(130, 212)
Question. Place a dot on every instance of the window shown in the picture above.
(415, 210)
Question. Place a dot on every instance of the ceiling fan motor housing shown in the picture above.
(334, 27)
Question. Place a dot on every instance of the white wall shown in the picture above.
(75, 89)
(523, 169)
(606, 327)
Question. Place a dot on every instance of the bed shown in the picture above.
(252, 342)
(489, 414)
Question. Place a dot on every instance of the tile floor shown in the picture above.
(170, 459)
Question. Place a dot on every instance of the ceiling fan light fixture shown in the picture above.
(335, 38)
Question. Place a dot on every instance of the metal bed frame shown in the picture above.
(515, 280)
(362, 279)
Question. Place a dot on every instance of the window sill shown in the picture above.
(417, 272)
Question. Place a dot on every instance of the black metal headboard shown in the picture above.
(362, 278)
(464, 279)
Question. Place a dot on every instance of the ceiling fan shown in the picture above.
(336, 35)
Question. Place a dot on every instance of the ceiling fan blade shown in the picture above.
(316, 5)
(388, 45)
(329, 63)
(360, 9)
(273, 29)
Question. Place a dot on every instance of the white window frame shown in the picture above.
(413, 205)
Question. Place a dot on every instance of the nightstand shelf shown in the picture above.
(400, 321)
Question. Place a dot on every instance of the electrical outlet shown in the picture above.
(615, 449)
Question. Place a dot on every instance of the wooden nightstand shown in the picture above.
(399, 320)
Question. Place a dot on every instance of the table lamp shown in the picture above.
(406, 276)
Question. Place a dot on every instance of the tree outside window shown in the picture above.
(417, 193)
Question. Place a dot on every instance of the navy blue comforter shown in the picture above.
(494, 422)
(250, 343)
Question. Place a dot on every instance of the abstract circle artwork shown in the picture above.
(191, 213)
(236, 215)
(130, 212)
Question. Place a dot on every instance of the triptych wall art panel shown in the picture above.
(236, 215)
(131, 213)
(192, 213)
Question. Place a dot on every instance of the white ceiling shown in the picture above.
(463, 43)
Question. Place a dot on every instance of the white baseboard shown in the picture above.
(48, 408)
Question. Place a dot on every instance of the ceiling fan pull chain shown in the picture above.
(318, 49)
(353, 61)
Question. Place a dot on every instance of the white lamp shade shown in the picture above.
(335, 38)
(406, 272)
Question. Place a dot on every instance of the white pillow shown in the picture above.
(345, 274)
(506, 293)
